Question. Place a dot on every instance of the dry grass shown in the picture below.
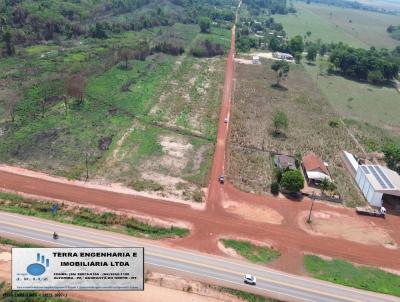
(256, 101)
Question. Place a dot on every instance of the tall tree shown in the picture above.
(205, 24)
(296, 44)
(281, 68)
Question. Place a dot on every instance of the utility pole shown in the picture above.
(87, 166)
(312, 204)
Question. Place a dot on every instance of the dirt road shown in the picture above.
(215, 221)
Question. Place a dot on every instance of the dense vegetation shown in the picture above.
(372, 65)
(394, 31)
(28, 22)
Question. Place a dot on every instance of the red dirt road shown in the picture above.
(215, 222)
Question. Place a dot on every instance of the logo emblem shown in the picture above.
(39, 267)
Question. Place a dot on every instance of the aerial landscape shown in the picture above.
(250, 148)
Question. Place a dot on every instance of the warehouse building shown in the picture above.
(377, 183)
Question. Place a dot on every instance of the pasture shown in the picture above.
(357, 28)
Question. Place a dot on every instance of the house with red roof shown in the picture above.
(315, 170)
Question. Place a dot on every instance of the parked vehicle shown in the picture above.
(370, 211)
(221, 178)
(225, 120)
(250, 279)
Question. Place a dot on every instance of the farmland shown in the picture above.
(252, 141)
(357, 28)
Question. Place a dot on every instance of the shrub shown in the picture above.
(275, 188)
(207, 48)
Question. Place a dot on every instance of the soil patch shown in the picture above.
(333, 224)
(253, 213)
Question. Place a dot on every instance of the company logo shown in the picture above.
(39, 267)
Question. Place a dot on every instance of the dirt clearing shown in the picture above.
(336, 225)
(253, 213)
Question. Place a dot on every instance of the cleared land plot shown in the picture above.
(368, 110)
(170, 150)
(342, 272)
(250, 164)
(334, 24)
(151, 125)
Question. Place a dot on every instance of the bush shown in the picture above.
(207, 48)
(275, 188)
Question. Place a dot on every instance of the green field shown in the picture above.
(332, 24)
(252, 252)
(345, 273)
(362, 102)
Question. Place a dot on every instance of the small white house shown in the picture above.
(256, 60)
(282, 56)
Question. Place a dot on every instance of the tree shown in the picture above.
(327, 185)
(275, 188)
(280, 122)
(75, 86)
(281, 68)
(312, 52)
(205, 24)
(98, 32)
(7, 39)
(125, 54)
(323, 49)
(296, 44)
(297, 57)
(392, 156)
(375, 77)
(293, 181)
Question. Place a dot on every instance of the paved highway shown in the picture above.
(210, 268)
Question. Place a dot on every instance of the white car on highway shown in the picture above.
(250, 279)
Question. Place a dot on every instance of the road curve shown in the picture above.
(213, 269)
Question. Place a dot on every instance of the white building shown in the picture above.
(374, 181)
(256, 60)
(282, 56)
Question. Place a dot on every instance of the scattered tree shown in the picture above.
(297, 57)
(293, 181)
(280, 122)
(7, 39)
(311, 52)
(205, 24)
(281, 68)
(296, 44)
(75, 86)
(125, 54)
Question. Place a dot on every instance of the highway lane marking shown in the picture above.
(197, 264)
(311, 281)
(165, 266)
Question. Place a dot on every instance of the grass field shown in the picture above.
(253, 253)
(252, 141)
(359, 101)
(332, 24)
(87, 217)
(345, 273)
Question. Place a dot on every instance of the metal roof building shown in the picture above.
(376, 180)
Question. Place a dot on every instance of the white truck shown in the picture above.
(370, 211)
